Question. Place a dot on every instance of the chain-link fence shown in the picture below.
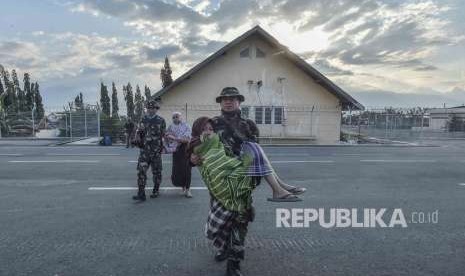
(18, 124)
(78, 123)
(402, 124)
(56, 123)
(291, 123)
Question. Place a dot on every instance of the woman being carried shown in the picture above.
(253, 163)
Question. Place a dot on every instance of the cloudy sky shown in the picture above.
(367, 47)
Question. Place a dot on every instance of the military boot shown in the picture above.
(221, 255)
(140, 195)
(233, 268)
(155, 194)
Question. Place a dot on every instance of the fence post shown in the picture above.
(70, 124)
(66, 124)
(421, 129)
(386, 132)
(85, 121)
(311, 121)
(33, 123)
(98, 122)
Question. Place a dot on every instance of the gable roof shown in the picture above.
(346, 100)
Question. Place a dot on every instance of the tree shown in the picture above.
(20, 96)
(79, 102)
(114, 101)
(129, 98)
(105, 100)
(139, 103)
(9, 100)
(2, 90)
(2, 97)
(165, 74)
(29, 94)
(38, 102)
(147, 93)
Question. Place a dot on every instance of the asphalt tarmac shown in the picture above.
(68, 211)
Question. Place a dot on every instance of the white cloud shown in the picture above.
(365, 44)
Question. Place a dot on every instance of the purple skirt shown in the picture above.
(260, 166)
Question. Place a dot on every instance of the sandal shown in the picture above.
(285, 198)
(297, 190)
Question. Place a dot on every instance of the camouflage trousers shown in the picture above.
(145, 161)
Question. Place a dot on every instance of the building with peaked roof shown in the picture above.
(284, 95)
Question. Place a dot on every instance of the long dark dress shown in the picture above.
(181, 168)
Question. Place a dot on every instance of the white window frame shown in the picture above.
(263, 113)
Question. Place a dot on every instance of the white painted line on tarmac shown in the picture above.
(83, 154)
(302, 161)
(462, 184)
(135, 188)
(397, 161)
(54, 161)
(11, 154)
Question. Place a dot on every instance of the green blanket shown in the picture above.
(225, 176)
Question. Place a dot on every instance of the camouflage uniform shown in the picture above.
(152, 130)
(150, 154)
(233, 131)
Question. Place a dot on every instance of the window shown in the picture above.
(268, 111)
(245, 110)
(245, 53)
(258, 115)
(278, 115)
(259, 53)
(269, 115)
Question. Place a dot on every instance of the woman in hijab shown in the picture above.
(177, 137)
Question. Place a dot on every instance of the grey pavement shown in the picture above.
(54, 220)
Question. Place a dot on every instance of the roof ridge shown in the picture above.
(300, 62)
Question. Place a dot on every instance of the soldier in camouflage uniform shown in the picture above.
(230, 228)
(149, 137)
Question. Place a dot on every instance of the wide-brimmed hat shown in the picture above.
(230, 92)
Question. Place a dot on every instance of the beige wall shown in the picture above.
(439, 117)
(296, 90)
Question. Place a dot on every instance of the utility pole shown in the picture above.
(70, 124)
(85, 121)
(33, 123)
